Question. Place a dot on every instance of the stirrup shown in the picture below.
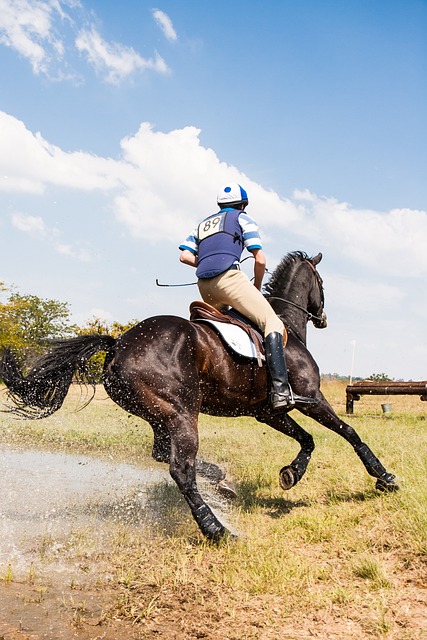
(283, 399)
(304, 400)
(289, 400)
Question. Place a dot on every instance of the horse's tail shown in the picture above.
(43, 390)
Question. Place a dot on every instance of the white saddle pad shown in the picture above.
(235, 337)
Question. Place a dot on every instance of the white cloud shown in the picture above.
(390, 242)
(45, 35)
(163, 182)
(29, 224)
(68, 250)
(114, 59)
(27, 27)
(175, 176)
(102, 314)
(28, 163)
(35, 226)
(165, 23)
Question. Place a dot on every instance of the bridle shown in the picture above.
(310, 316)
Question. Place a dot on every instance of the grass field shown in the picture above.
(332, 558)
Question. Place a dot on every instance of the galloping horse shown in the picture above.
(167, 369)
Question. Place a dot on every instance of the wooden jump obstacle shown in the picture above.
(366, 387)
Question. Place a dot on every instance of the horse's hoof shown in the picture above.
(209, 524)
(387, 483)
(217, 534)
(226, 489)
(228, 537)
(287, 478)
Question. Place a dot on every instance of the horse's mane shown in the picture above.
(282, 274)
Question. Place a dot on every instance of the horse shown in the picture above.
(168, 369)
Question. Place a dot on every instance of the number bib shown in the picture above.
(214, 224)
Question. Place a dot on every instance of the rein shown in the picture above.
(309, 315)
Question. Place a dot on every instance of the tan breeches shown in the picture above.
(234, 288)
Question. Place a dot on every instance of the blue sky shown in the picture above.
(118, 122)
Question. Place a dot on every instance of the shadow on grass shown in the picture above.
(162, 509)
(334, 497)
(249, 500)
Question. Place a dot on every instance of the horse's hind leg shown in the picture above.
(184, 445)
(210, 471)
(162, 443)
(217, 477)
(385, 481)
(292, 473)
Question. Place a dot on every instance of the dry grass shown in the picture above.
(330, 559)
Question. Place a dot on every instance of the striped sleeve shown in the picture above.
(251, 237)
(191, 243)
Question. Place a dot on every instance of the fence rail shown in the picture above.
(365, 387)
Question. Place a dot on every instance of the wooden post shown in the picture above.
(349, 403)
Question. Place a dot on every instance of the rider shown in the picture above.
(215, 248)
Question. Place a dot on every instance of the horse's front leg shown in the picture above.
(292, 473)
(184, 446)
(325, 415)
(208, 470)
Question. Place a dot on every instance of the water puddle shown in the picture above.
(59, 513)
(45, 496)
(51, 494)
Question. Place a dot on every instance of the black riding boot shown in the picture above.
(281, 395)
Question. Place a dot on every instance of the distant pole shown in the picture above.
(353, 342)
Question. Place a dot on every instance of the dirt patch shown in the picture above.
(53, 612)
(89, 612)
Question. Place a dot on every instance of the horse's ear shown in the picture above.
(316, 259)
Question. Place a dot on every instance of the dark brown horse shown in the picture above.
(167, 369)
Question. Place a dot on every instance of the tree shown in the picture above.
(115, 329)
(101, 327)
(27, 321)
(379, 377)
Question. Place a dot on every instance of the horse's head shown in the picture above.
(295, 291)
(316, 300)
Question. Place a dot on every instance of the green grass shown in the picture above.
(332, 547)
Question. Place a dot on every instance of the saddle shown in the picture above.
(204, 312)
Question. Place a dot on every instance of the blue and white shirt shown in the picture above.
(219, 240)
(250, 234)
